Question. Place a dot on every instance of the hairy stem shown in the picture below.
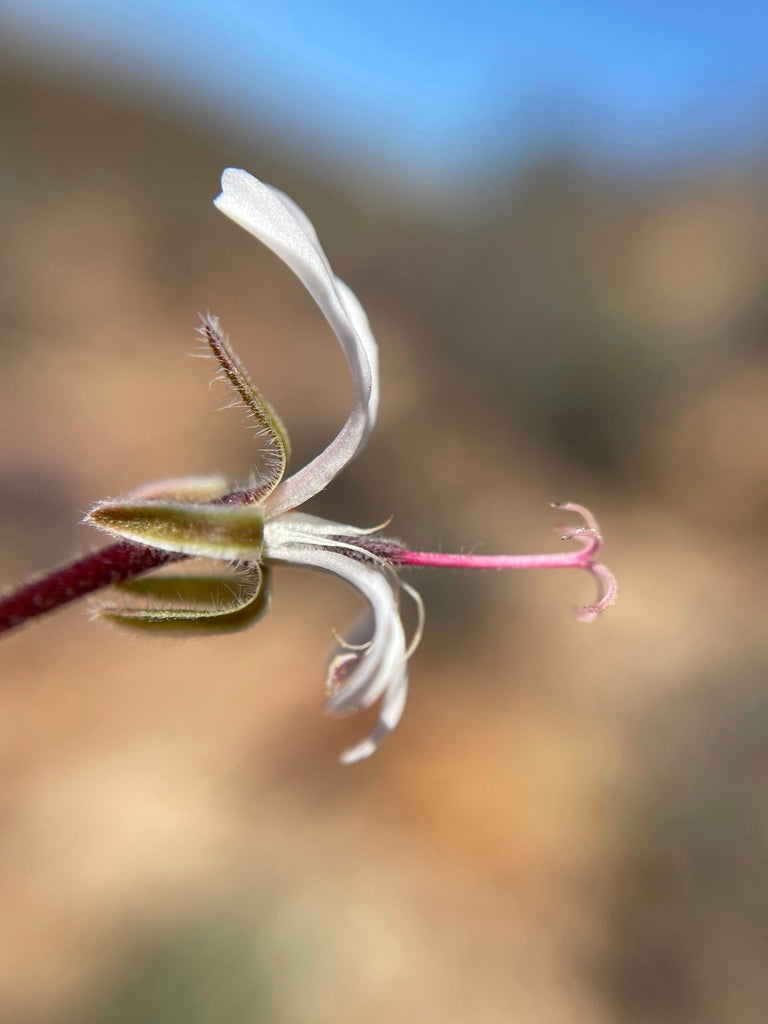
(113, 564)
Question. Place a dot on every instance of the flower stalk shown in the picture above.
(106, 567)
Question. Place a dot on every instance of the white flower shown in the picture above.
(251, 529)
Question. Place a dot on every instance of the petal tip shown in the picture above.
(361, 752)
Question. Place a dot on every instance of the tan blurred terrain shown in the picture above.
(571, 823)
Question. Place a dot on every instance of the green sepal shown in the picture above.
(278, 448)
(248, 605)
(215, 590)
(215, 531)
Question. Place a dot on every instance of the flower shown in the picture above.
(248, 530)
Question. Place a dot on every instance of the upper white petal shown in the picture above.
(278, 222)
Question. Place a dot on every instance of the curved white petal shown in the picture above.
(298, 530)
(183, 488)
(304, 528)
(392, 708)
(360, 322)
(276, 221)
(379, 668)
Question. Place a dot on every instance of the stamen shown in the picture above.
(338, 669)
(588, 535)
(418, 632)
(346, 645)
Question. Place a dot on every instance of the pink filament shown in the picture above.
(565, 560)
(588, 536)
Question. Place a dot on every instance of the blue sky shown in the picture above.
(436, 85)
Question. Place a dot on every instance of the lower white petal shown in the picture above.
(381, 667)
(392, 708)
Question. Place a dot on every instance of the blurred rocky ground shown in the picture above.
(571, 823)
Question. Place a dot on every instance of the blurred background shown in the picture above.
(556, 217)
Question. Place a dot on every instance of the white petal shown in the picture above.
(381, 629)
(277, 222)
(392, 708)
(183, 488)
(381, 668)
(304, 528)
(360, 322)
(355, 694)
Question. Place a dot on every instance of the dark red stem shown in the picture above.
(113, 564)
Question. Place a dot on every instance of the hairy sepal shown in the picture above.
(216, 591)
(259, 410)
(229, 532)
(221, 604)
